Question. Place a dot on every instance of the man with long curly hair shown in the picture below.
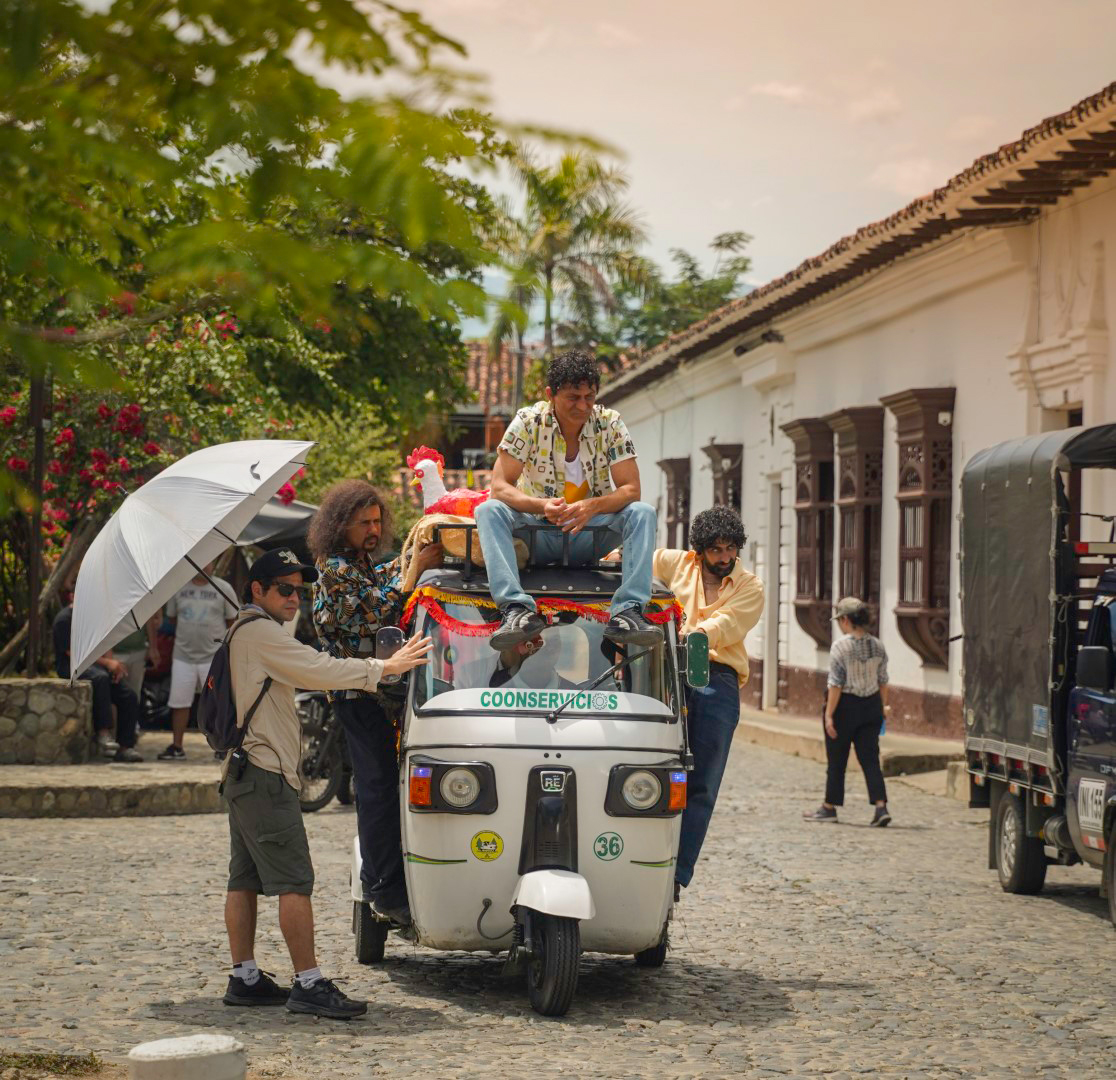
(356, 593)
(722, 598)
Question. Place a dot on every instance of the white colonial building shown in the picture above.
(837, 406)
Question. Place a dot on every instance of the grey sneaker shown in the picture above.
(127, 753)
(107, 744)
(400, 916)
(823, 813)
(517, 625)
(324, 999)
(629, 627)
(881, 818)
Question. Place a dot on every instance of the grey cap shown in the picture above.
(849, 606)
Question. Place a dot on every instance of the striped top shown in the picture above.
(858, 665)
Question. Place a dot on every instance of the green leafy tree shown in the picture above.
(572, 244)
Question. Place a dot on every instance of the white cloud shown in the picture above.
(908, 177)
(609, 33)
(781, 90)
(881, 104)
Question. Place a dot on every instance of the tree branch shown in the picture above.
(124, 332)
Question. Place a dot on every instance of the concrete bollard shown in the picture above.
(192, 1057)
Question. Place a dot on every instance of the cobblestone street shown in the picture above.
(800, 950)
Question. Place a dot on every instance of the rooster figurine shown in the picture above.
(428, 466)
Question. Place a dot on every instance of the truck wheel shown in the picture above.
(552, 974)
(370, 934)
(655, 956)
(1110, 873)
(1020, 860)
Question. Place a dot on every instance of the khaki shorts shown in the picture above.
(269, 852)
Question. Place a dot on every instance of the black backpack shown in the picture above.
(217, 708)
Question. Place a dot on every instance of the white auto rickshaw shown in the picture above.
(541, 788)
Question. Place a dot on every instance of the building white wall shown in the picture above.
(1016, 319)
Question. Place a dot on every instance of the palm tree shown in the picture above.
(574, 239)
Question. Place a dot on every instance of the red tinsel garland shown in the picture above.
(547, 606)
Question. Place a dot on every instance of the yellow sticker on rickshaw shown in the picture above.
(487, 846)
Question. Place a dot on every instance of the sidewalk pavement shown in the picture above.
(108, 789)
(936, 766)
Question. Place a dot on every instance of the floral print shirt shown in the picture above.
(353, 598)
(534, 438)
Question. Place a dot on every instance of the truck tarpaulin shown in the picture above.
(1017, 584)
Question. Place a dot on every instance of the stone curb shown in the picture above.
(58, 800)
(894, 762)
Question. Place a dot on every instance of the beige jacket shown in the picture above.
(264, 648)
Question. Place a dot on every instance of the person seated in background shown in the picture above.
(110, 687)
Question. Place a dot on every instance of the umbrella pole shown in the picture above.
(231, 599)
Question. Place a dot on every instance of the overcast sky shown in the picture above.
(797, 121)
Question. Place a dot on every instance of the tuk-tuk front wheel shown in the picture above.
(552, 972)
(655, 956)
(371, 934)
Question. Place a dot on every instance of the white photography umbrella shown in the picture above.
(166, 530)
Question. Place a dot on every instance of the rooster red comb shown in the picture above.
(425, 453)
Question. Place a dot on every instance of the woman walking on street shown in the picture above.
(855, 706)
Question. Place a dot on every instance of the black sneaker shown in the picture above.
(629, 627)
(517, 625)
(173, 753)
(399, 916)
(823, 813)
(324, 999)
(881, 818)
(262, 992)
(127, 753)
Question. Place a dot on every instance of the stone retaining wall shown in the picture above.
(135, 799)
(45, 722)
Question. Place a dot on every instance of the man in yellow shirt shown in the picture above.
(722, 598)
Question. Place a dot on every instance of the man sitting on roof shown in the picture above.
(570, 462)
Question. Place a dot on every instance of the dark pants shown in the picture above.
(714, 712)
(858, 721)
(107, 693)
(371, 738)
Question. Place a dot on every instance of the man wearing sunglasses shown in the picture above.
(269, 850)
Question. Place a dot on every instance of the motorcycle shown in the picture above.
(326, 770)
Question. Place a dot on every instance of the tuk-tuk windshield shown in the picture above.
(569, 654)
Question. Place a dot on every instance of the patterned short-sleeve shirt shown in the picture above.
(534, 438)
(858, 665)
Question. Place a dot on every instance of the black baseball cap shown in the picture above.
(279, 563)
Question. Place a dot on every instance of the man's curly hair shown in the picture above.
(716, 523)
(326, 535)
(572, 369)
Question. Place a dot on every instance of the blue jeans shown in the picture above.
(634, 527)
(714, 712)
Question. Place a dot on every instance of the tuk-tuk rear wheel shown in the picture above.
(655, 956)
(371, 934)
(552, 972)
(1110, 873)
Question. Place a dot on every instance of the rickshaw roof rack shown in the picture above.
(538, 581)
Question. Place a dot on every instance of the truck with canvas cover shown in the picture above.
(1038, 603)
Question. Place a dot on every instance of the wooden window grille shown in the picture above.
(924, 433)
(813, 507)
(726, 460)
(677, 471)
(859, 434)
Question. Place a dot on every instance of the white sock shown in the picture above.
(307, 978)
(248, 971)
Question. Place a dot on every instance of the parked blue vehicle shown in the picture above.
(1039, 614)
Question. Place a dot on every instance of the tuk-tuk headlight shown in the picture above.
(460, 787)
(641, 790)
